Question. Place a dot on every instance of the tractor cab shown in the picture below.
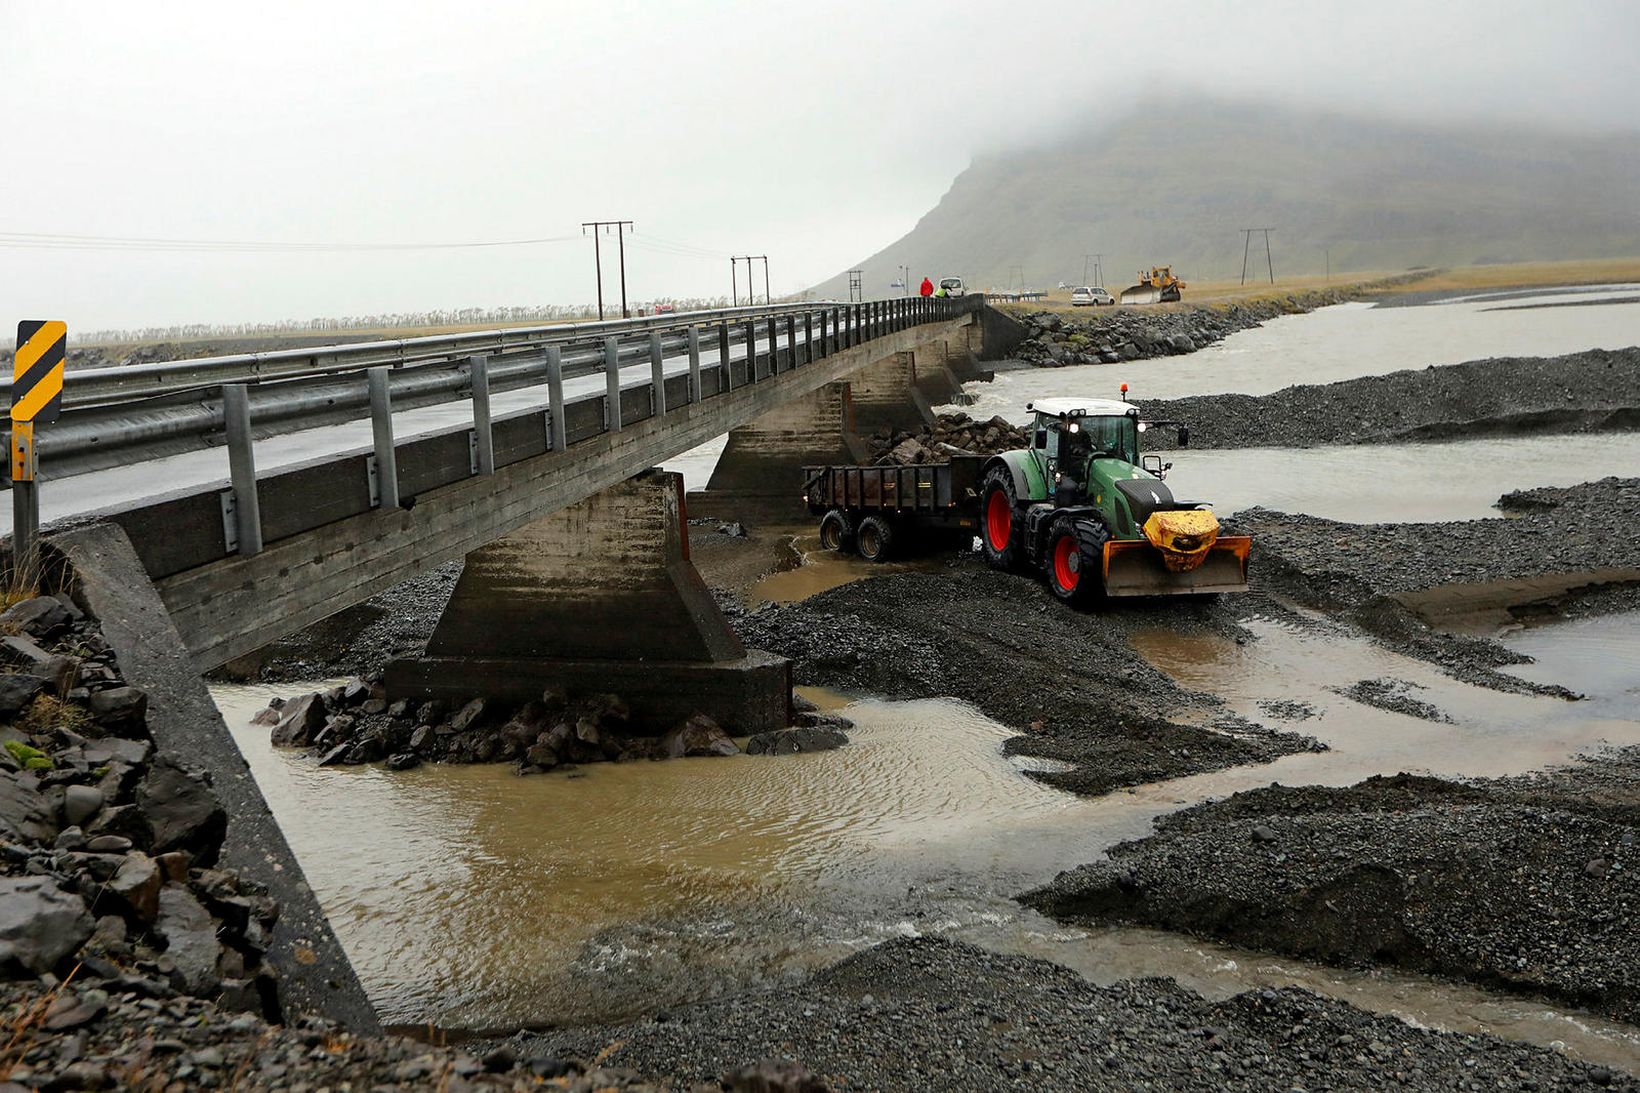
(1073, 436)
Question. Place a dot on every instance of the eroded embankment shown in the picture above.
(1392, 579)
(1529, 884)
(923, 1014)
(1068, 681)
(1580, 392)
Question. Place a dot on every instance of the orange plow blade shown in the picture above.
(1135, 568)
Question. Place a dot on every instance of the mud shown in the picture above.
(1581, 392)
(1526, 884)
(1069, 682)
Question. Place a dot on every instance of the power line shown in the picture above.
(55, 241)
(621, 228)
(1247, 242)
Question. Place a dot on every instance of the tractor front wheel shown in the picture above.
(1000, 531)
(1073, 560)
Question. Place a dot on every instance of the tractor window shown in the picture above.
(1115, 436)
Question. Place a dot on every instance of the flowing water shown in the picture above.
(472, 898)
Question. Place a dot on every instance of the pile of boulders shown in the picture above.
(108, 850)
(951, 434)
(1107, 336)
(355, 723)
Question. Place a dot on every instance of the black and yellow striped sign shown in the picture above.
(37, 372)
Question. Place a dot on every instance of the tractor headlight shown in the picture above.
(1074, 427)
(1142, 426)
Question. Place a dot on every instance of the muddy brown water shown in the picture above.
(471, 898)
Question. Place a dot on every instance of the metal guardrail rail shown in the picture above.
(129, 414)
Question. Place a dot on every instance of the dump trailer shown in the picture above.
(868, 509)
(1158, 286)
(1081, 506)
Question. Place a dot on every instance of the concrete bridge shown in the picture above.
(527, 453)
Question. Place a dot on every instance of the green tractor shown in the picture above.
(1082, 506)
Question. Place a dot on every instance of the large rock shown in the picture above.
(190, 939)
(794, 740)
(80, 803)
(182, 811)
(699, 735)
(39, 923)
(42, 616)
(471, 714)
(119, 708)
(302, 718)
(137, 882)
(25, 814)
(17, 690)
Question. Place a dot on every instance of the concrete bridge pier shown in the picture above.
(599, 597)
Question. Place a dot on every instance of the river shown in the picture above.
(469, 897)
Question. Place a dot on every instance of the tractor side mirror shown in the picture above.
(1184, 436)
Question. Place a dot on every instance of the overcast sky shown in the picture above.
(814, 133)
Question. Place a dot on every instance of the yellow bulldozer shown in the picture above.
(1159, 286)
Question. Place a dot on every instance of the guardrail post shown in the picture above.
(773, 326)
(657, 375)
(236, 413)
(612, 385)
(723, 358)
(824, 348)
(694, 364)
(751, 351)
(381, 428)
(484, 438)
(808, 337)
(558, 434)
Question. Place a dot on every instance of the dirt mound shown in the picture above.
(1526, 883)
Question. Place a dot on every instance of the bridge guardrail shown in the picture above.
(124, 415)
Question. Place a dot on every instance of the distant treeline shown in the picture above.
(466, 316)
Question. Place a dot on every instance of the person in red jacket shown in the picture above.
(927, 288)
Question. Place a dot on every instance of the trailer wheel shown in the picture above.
(1000, 525)
(1072, 560)
(837, 531)
(874, 539)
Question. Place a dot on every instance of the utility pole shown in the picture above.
(621, 228)
(1019, 270)
(764, 258)
(905, 280)
(855, 293)
(734, 282)
(1328, 253)
(1246, 245)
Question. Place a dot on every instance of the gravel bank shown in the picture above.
(923, 1014)
(1392, 578)
(1068, 681)
(1581, 392)
(1111, 334)
(1527, 884)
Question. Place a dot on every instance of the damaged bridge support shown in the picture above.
(600, 596)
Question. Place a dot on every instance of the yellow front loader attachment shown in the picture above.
(1182, 553)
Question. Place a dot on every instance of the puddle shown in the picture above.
(1597, 657)
(822, 570)
(483, 900)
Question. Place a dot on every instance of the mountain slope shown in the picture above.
(1177, 184)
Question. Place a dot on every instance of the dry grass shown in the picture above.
(49, 712)
(22, 1027)
(1515, 275)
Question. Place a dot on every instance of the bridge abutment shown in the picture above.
(599, 597)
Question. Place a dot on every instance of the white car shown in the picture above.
(952, 286)
(1092, 297)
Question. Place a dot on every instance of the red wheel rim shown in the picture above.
(999, 520)
(1064, 553)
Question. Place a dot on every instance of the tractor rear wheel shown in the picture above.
(1073, 560)
(874, 539)
(1000, 529)
(837, 531)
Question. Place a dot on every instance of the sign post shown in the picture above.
(36, 398)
